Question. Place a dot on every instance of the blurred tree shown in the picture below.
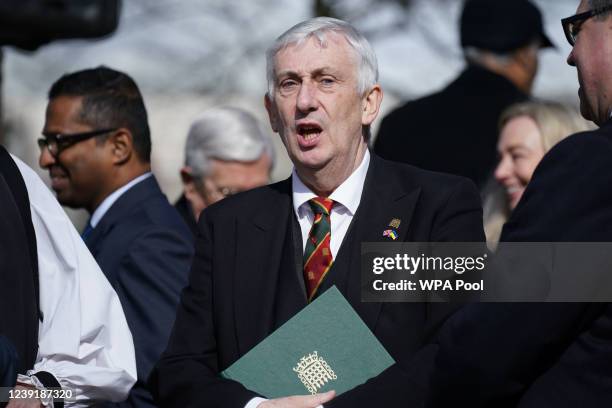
(210, 43)
(323, 8)
(340, 8)
(399, 15)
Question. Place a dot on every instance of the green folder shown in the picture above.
(326, 346)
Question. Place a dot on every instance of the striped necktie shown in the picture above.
(317, 256)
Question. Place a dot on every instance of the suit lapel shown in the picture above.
(96, 235)
(264, 248)
(381, 202)
(128, 201)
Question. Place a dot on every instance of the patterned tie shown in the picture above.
(317, 256)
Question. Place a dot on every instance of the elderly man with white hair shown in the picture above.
(264, 255)
(226, 152)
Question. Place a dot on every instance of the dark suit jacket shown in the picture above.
(145, 249)
(543, 355)
(184, 209)
(18, 266)
(246, 281)
(8, 365)
(452, 131)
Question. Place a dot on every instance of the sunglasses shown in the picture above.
(57, 142)
(573, 24)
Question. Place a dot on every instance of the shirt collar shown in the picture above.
(114, 196)
(348, 194)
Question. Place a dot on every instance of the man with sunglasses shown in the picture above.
(554, 354)
(96, 147)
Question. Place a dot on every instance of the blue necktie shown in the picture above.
(87, 231)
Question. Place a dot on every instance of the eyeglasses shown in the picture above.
(216, 192)
(211, 191)
(57, 142)
(573, 24)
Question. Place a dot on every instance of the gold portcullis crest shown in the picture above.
(314, 372)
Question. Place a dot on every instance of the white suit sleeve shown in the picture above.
(84, 339)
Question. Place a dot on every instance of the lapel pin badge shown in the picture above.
(390, 233)
(395, 223)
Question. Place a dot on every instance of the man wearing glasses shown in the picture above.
(553, 354)
(96, 147)
(226, 152)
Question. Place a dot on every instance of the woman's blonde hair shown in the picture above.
(555, 122)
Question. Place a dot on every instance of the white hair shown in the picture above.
(477, 56)
(226, 133)
(367, 70)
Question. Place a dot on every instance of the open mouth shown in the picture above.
(308, 134)
(514, 194)
(513, 189)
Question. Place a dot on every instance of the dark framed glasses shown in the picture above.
(57, 142)
(571, 25)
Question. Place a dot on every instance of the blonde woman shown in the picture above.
(527, 131)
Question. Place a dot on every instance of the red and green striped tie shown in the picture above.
(317, 256)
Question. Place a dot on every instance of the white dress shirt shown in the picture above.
(84, 339)
(346, 201)
(112, 197)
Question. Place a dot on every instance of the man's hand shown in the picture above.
(299, 401)
(24, 402)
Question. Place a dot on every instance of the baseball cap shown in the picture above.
(501, 25)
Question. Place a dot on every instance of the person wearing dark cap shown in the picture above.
(500, 41)
(553, 354)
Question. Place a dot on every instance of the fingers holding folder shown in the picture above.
(299, 401)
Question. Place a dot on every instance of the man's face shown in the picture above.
(78, 173)
(225, 178)
(592, 57)
(316, 107)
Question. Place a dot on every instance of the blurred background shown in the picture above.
(188, 55)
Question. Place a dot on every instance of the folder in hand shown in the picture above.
(326, 346)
